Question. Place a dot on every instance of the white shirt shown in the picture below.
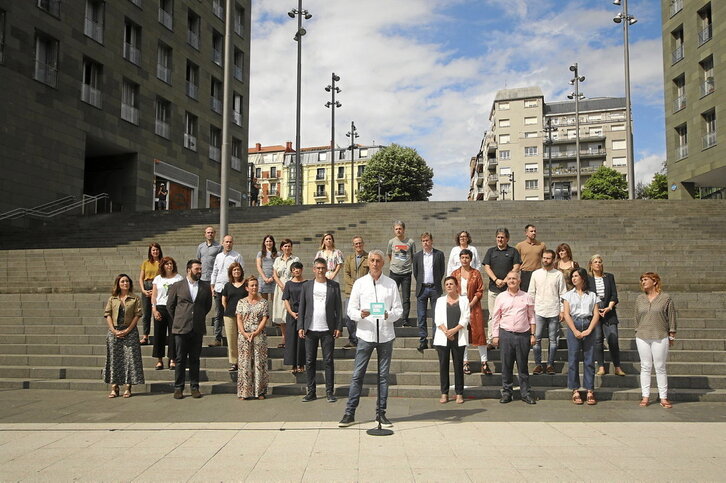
(364, 292)
(547, 287)
(320, 293)
(428, 265)
(221, 265)
(162, 287)
(581, 306)
(455, 261)
(193, 289)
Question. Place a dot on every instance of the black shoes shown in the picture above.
(381, 418)
(423, 346)
(347, 420)
(196, 394)
(309, 397)
(178, 394)
(349, 346)
(529, 399)
(506, 398)
(331, 398)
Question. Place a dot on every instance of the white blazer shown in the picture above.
(440, 319)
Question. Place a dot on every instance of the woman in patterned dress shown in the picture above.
(471, 286)
(252, 315)
(123, 352)
(281, 272)
(332, 256)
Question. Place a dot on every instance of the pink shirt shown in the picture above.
(513, 313)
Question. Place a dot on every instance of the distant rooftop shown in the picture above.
(518, 93)
(595, 104)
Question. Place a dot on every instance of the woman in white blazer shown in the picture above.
(451, 318)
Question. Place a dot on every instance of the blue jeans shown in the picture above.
(428, 295)
(553, 330)
(362, 356)
(585, 346)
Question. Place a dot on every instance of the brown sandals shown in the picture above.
(576, 398)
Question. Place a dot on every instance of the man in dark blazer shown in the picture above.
(429, 266)
(188, 304)
(320, 321)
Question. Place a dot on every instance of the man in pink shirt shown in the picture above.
(513, 322)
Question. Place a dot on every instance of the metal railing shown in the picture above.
(237, 118)
(61, 206)
(91, 95)
(46, 73)
(165, 18)
(705, 35)
(129, 113)
(236, 163)
(216, 105)
(676, 6)
(707, 87)
(94, 30)
(709, 140)
(193, 39)
(238, 72)
(132, 54)
(677, 54)
(214, 153)
(162, 129)
(682, 151)
(192, 90)
(164, 73)
(679, 103)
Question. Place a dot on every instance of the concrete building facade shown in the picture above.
(120, 97)
(694, 45)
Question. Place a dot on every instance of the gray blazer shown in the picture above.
(333, 306)
(188, 315)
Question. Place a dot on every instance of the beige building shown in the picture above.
(693, 51)
(514, 160)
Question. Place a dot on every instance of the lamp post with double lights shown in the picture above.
(548, 130)
(298, 13)
(332, 104)
(577, 95)
(352, 134)
(627, 20)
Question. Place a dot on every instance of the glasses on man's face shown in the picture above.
(320, 268)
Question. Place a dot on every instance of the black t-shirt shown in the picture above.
(501, 262)
(234, 295)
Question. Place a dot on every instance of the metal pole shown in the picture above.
(577, 131)
(298, 165)
(332, 142)
(628, 114)
(352, 155)
(549, 154)
(226, 107)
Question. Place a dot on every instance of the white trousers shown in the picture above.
(653, 352)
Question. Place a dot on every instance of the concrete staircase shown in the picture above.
(52, 290)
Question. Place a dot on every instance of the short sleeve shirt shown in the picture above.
(501, 262)
(401, 253)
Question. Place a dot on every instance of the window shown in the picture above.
(681, 141)
(320, 173)
(361, 168)
(709, 128)
(618, 127)
(91, 85)
(571, 133)
(531, 134)
(504, 106)
(322, 156)
(619, 144)
(258, 173)
(236, 153)
(50, 6)
(215, 143)
(619, 161)
(676, 6)
(530, 167)
(595, 131)
(218, 8)
(239, 20)
(237, 109)
(341, 172)
(706, 25)
(320, 190)
(190, 131)
(530, 103)
(504, 123)
(341, 155)
(163, 63)
(132, 42)
(193, 27)
(216, 96)
(504, 154)
(239, 64)
(2, 35)
(363, 153)
(166, 12)
(163, 115)
(531, 184)
(679, 99)
(505, 188)
(129, 102)
(677, 43)
(530, 120)
(707, 86)
(531, 198)
(46, 60)
(192, 77)
(273, 172)
(505, 171)
(530, 151)
(504, 138)
(217, 48)
(93, 26)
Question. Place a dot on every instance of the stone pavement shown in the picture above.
(69, 436)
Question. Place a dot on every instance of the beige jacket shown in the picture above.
(351, 274)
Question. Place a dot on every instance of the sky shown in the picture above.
(423, 73)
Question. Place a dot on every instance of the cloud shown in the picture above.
(647, 165)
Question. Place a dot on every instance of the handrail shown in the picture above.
(43, 211)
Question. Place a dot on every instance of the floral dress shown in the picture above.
(252, 376)
(332, 259)
(282, 269)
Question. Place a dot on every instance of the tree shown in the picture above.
(605, 184)
(277, 201)
(657, 189)
(400, 174)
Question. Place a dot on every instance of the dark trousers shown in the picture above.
(188, 348)
(327, 342)
(403, 282)
(607, 332)
(526, 276)
(350, 324)
(428, 295)
(514, 346)
(162, 335)
(453, 349)
(146, 301)
(218, 317)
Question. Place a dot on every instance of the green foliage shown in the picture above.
(403, 175)
(277, 201)
(605, 184)
(657, 189)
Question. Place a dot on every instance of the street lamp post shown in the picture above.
(332, 104)
(299, 13)
(352, 134)
(511, 180)
(548, 129)
(577, 95)
(627, 20)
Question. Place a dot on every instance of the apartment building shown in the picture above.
(266, 169)
(694, 44)
(120, 97)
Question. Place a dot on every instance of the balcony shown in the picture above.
(238, 29)
(679, 103)
(91, 95)
(50, 6)
(319, 177)
(214, 154)
(709, 140)
(192, 90)
(237, 118)
(236, 163)
(164, 73)
(492, 164)
(583, 154)
(94, 30)
(682, 151)
(707, 87)
(491, 146)
(218, 10)
(568, 171)
(492, 196)
(165, 18)
(479, 179)
(492, 179)
(238, 73)
(129, 113)
(705, 35)
(340, 193)
(216, 105)
(677, 54)
(46, 73)
(190, 142)
(162, 129)
(132, 54)
(321, 194)
(193, 39)
(676, 6)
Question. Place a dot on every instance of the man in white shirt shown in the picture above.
(320, 322)
(372, 288)
(547, 286)
(429, 266)
(219, 278)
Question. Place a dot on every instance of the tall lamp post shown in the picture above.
(577, 95)
(627, 20)
(352, 134)
(226, 100)
(300, 14)
(332, 104)
(548, 130)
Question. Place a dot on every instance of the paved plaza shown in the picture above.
(83, 436)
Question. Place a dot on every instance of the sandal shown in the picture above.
(644, 403)
(172, 365)
(159, 366)
(485, 369)
(467, 370)
(665, 403)
(127, 392)
(234, 368)
(576, 398)
(261, 397)
(459, 399)
(591, 401)
(444, 398)
(144, 340)
(114, 391)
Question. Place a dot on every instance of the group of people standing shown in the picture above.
(530, 291)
